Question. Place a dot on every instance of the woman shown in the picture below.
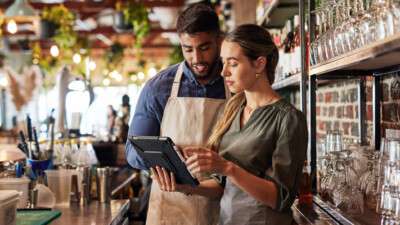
(258, 146)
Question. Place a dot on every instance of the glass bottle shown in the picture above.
(305, 184)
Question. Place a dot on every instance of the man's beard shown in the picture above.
(210, 68)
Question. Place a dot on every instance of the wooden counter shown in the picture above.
(320, 212)
(113, 213)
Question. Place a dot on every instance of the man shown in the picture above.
(182, 102)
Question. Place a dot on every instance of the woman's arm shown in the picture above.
(167, 182)
(260, 189)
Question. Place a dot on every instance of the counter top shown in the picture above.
(324, 213)
(96, 213)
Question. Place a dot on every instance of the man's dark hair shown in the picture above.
(198, 18)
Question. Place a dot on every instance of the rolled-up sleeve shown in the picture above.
(144, 123)
(288, 158)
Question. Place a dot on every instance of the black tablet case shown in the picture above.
(159, 151)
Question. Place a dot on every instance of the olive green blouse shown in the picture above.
(271, 145)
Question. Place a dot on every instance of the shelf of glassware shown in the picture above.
(377, 55)
(293, 80)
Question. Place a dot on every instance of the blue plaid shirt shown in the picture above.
(153, 99)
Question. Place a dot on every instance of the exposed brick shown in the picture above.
(353, 95)
(318, 110)
(320, 97)
(344, 96)
(385, 92)
(339, 111)
(368, 93)
(332, 111)
(349, 112)
(395, 89)
(328, 125)
(389, 112)
(354, 129)
(369, 113)
(345, 126)
(321, 125)
(336, 125)
(383, 128)
(324, 111)
(328, 97)
(335, 96)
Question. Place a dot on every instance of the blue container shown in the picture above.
(39, 166)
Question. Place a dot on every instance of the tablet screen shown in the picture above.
(161, 151)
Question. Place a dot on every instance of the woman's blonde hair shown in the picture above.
(254, 41)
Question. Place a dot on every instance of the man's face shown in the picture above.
(201, 51)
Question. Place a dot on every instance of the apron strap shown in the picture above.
(177, 82)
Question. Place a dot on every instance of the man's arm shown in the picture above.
(144, 123)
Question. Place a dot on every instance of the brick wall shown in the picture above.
(390, 104)
(337, 106)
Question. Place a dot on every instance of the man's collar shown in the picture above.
(190, 76)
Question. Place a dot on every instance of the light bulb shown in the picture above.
(106, 82)
(76, 58)
(92, 65)
(54, 51)
(12, 27)
(152, 72)
(141, 75)
(3, 81)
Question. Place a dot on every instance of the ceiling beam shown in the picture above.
(92, 6)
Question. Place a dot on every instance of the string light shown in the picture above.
(76, 58)
(12, 27)
(54, 51)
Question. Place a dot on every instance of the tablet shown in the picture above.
(161, 151)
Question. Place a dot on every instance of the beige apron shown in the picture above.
(188, 122)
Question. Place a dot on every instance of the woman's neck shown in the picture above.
(262, 94)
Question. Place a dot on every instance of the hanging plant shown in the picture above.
(65, 36)
(114, 56)
(136, 14)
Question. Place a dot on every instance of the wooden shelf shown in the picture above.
(278, 12)
(293, 80)
(374, 56)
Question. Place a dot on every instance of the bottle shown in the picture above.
(287, 57)
(82, 155)
(305, 184)
(57, 153)
(67, 153)
(92, 154)
(74, 151)
(295, 47)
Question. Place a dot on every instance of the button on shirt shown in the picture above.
(153, 99)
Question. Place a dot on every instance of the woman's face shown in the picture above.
(239, 72)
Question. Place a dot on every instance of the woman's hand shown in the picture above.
(205, 160)
(167, 182)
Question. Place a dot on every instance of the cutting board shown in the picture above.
(36, 217)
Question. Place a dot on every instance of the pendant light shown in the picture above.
(21, 11)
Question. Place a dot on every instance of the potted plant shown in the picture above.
(59, 17)
(120, 23)
(136, 14)
(114, 56)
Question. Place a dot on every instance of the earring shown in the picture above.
(257, 75)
